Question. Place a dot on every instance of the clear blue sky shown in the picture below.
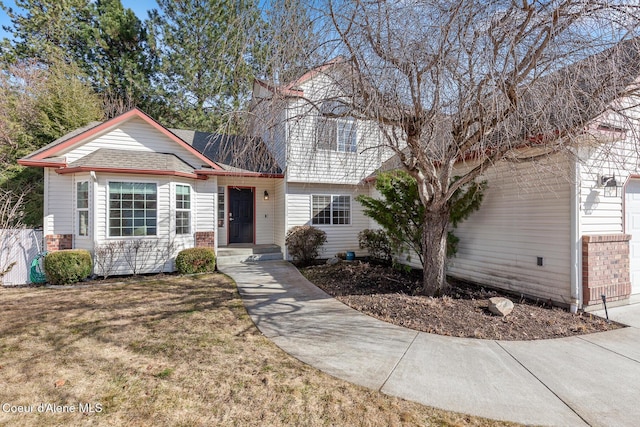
(140, 7)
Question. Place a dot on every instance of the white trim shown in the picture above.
(331, 196)
(334, 144)
(77, 210)
(108, 209)
(95, 185)
(354, 130)
(175, 209)
(576, 240)
(224, 206)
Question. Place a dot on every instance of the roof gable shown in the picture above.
(294, 88)
(82, 136)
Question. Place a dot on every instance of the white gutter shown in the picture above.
(576, 240)
(93, 214)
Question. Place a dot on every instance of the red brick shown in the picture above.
(605, 267)
(58, 242)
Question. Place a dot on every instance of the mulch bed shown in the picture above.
(394, 297)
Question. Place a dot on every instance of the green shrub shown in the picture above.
(304, 242)
(377, 243)
(196, 260)
(67, 266)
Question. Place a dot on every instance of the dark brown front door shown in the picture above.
(240, 215)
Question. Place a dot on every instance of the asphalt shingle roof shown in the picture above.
(128, 159)
(231, 152)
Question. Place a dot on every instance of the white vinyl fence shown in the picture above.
(19, 246)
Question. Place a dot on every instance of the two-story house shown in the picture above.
(569, 236)
(132, 183)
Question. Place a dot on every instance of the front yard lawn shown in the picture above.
(168, 351)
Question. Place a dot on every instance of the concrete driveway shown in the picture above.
(586, 380)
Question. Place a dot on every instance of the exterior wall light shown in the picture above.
(266, 195)
(611, 187)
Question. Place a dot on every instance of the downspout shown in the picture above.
(285, 187)
(576, 247)
(93, 214)
(216, 229)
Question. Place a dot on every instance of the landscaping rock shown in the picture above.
(500, 306)
(333, 261)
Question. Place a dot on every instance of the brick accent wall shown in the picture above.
(605, 268)
(58, 242)
(205, 239)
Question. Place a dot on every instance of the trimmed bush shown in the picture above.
(377, 243)
(304, 242)
(67, 266)
(196, 260)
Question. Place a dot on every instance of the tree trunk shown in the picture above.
(434, 245)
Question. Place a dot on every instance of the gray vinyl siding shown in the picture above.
(59, 201)
(309, 163)
(280, 216)
(134, 134)
(525, 214)
(205, 204)
(269, 121)
(602, 212)
(340, 238)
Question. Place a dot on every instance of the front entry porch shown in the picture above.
(246, 252)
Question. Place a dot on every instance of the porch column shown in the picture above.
(205, 239)
(58, 242)
(605, 268)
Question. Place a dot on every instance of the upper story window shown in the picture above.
(183, 209)
(337, 134)
(132, 209)
(327, 210)
(82, 207)
(347, 135)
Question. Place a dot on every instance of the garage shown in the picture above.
(632, 227)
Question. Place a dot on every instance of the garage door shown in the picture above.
(632, 226)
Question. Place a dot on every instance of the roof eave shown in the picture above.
(77, 169)
(247, 174)
(41, 163)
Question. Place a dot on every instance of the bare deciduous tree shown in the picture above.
(458, 86)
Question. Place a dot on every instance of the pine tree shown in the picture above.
(209, 55)
(106, 41)
(401, 213)
(37, 105)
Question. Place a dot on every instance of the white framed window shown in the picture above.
(347, 136)
(82, 207)
(133, 209)
(183, 209)
(337, 134)
(330, 210)
(221, 221)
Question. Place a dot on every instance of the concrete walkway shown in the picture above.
(587, 380)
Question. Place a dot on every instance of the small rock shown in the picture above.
(333, 261)
(59, 383)
(500, 306)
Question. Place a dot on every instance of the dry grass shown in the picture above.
(171, 351)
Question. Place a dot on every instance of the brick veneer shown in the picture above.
(58, 242)
(605, 268)
(205, 239)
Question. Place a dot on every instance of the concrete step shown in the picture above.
(234, 255)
